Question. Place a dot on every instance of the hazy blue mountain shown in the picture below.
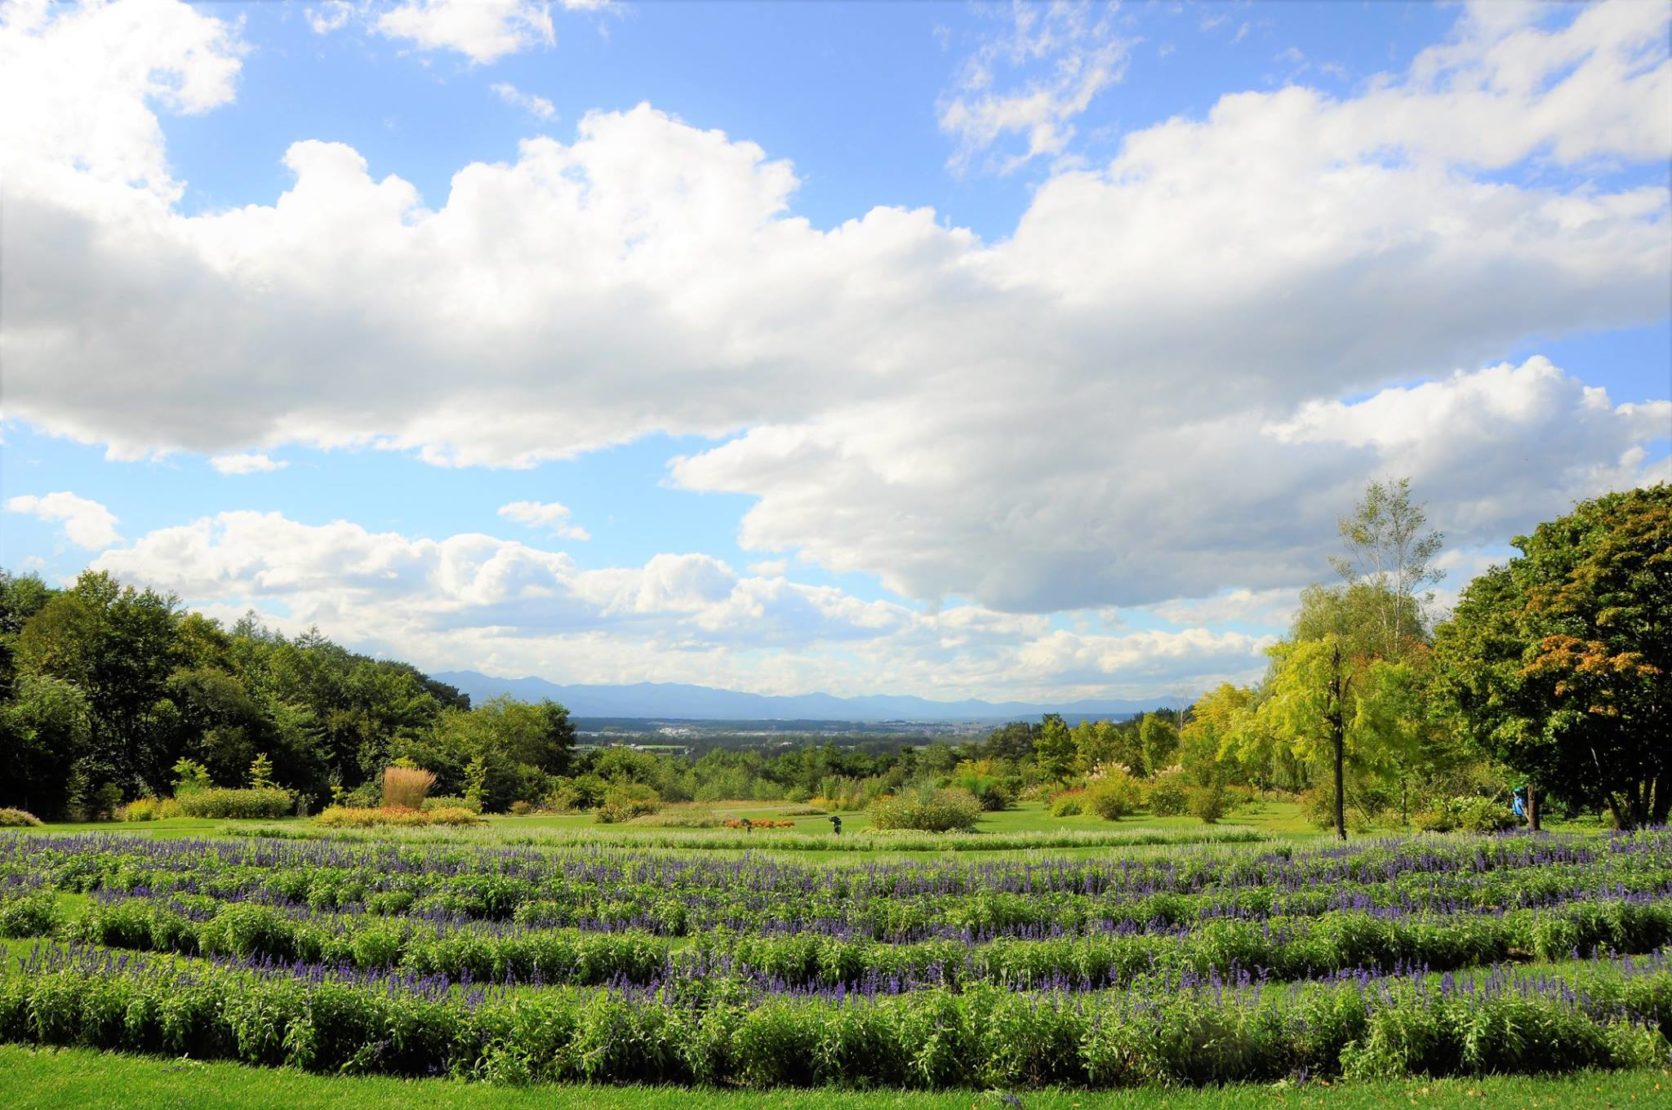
(678, 701)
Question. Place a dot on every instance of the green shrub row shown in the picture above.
(1292, 949)
(365, 817)
(692, 894)
(263, 802)
(933, 1039)
(676, 907)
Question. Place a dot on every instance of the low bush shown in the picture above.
(1319, 806)
(1069, 803)
(219, 802)
(1114, 793)
(926, 810)
(995, 796)
(1169, 792)
(149, 809)
(451, 801)
(1209, 803)
(576, 794)
(981, 778)
(352, 817)
(29, 915)
(18, 819)
(752, 823)
(1486, 815)
(626, 801)
(1467, 813)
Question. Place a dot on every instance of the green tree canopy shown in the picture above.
(1560, 662)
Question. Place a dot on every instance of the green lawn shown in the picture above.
(164, 829)
(77, 1079)
(1282, 820)
(1276, 817)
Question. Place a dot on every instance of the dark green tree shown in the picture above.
(1055, 750)
(1560, 662)
(119, 646)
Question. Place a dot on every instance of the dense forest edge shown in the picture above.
(1546, 687)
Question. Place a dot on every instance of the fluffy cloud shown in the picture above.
(79, 85)
(482, 30)
(249, 462)
(86, 523)
(547, 515)
(1140, 395)
(477, 601)
(1172, 509)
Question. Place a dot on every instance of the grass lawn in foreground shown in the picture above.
(77, 1079)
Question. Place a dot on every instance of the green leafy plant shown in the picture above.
(190, 776)
(242, 804)
(926, 809)
(625, 801)
(1114, 792)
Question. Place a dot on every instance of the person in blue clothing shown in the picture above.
(1519, 805)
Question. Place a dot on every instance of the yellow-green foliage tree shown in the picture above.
(1221, 724)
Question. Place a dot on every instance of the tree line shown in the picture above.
(1551, 674)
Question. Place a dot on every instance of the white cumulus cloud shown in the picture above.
(480, 602)
(1166, 383)
(482, 30)
(86, 523)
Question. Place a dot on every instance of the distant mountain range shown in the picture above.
(680, 702)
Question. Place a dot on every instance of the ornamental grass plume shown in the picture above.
(405, 787)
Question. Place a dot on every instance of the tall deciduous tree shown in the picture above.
(1222, 731)
(1340, 685)
(1055, 749)
(119, 646)
(1560, 662)
(44, 731)
(1159, 738)
(1390, 551)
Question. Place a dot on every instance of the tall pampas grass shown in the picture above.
(406, 787)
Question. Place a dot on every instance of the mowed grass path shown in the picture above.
(77, 1079)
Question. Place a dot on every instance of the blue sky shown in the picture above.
(936, 348)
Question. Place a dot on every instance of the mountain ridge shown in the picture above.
(684, 701)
